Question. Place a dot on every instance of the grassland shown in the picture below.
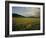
(25, 23)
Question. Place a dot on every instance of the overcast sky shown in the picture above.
(26, 11)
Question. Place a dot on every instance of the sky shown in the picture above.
(26, 11)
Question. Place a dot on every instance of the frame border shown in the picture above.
(7, 18)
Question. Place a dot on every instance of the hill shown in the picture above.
(17, 15)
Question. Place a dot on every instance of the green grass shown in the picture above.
(26, 23)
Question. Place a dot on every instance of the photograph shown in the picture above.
(25, 18)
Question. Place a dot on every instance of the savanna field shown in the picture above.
(21, 23)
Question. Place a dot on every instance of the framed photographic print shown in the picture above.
(24, 18)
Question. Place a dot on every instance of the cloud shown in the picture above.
(26, 11)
